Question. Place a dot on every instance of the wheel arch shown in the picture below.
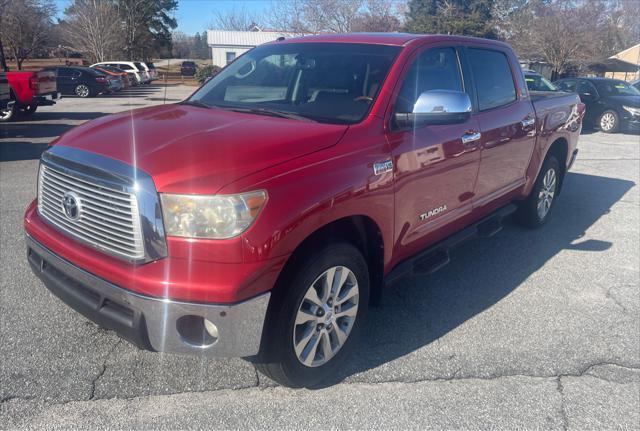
(560, 149)
(361, 231)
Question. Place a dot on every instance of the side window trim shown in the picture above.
(419, 52)
(476, 98)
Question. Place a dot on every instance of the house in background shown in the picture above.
(227, 45)
(629, 55)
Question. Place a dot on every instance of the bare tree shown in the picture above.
(380, 16)
(24, 26)
(93, 27)
(315, 16)
(567, 34)
(289, 16)
(238, 18)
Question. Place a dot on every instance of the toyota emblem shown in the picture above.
(71, 205)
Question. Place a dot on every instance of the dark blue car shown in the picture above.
(612, 105)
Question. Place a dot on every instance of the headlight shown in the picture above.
(632, 110)
(215, 217)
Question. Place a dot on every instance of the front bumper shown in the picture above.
(153, 323)
(632, 123)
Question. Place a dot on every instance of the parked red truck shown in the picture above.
(28, 91)
(260, 217)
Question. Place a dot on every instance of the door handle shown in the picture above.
(528, 122)
(470, 137)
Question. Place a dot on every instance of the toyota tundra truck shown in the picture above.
(260, 217)
(28, 91)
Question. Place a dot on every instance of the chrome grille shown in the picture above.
(105, 218)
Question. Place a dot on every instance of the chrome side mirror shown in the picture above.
(437, 107)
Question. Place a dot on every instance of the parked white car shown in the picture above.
(140, 72)
(153, 74)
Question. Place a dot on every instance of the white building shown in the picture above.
(227, 45)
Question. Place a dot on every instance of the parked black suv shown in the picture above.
(188, 68)
(80, 81)
(612, 104)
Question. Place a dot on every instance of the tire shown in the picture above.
(83, 91)
(294, 317)
(609, 121)
(534, 211)
(7, 114)
(28, 110)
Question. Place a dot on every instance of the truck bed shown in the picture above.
(554, 109)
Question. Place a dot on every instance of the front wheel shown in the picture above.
(315, 319)
(534, 211)
(7, 114)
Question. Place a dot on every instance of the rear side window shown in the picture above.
(493, 78)
(585, 87)
(435, 69)
(568, 85)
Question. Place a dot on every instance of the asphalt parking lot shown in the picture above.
(527, 329)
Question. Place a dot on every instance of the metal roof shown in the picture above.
(242, 38)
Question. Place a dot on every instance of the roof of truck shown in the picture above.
(396, 39)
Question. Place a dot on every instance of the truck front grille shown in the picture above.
(105, 218)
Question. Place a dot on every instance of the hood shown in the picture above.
(626, 100)
(188, 149)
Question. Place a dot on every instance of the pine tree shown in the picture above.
(462, 17)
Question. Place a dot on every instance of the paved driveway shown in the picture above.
(527, 329)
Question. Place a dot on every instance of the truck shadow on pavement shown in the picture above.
(17, 137)
(419, 310)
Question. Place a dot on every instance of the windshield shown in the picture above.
(616, 88)
(326, 82)
(537, 82)
(140, 67)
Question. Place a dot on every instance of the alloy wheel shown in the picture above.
(6, 114)
(607, 121)
(82, 91)
(547, 192)
(326, 316)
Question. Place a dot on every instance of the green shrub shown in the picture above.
(206, 71)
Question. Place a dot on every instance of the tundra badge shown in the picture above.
(433, 212)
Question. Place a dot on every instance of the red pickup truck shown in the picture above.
(261, 216)
(28, 91)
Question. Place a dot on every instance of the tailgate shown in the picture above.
(46, 82)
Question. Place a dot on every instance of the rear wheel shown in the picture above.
(534, 211)
(314, 321)
(28, 110)
(609, 121)
(82, 91)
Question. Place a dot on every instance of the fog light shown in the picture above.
(197, 331)
(211, 328)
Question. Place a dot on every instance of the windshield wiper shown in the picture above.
(195, 103)
(265, 111)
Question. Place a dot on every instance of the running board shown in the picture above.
(437, 256)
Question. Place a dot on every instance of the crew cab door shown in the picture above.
(435, 170)
(507, 122)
